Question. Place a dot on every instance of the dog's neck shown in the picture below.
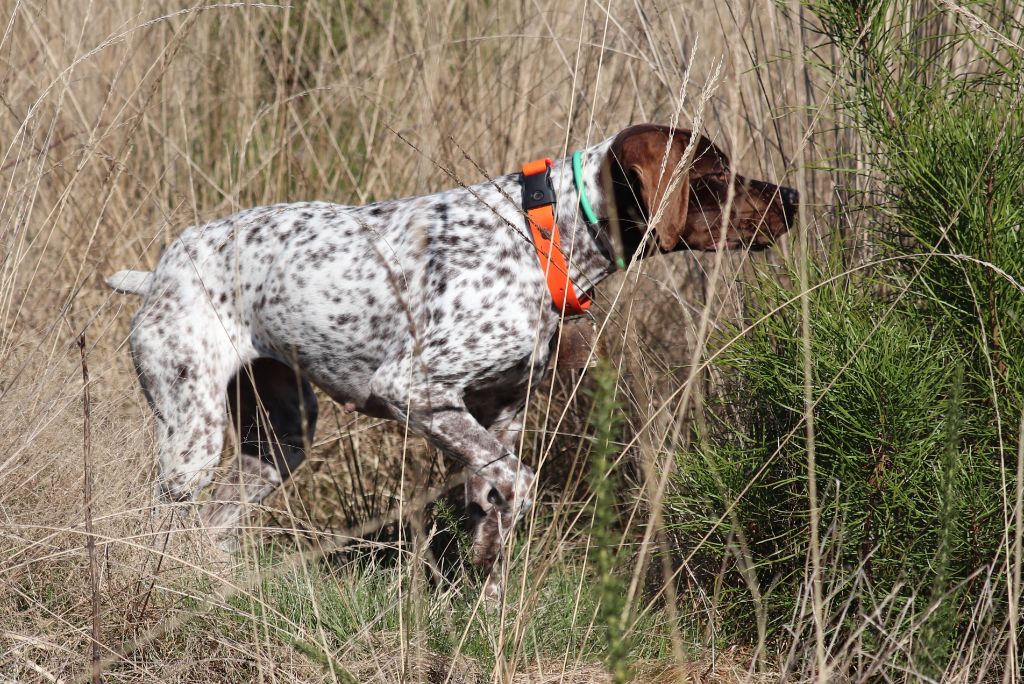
(588, 264)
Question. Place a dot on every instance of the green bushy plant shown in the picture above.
(612, 613)
(938, 100)
(915, 359)
(908, 477)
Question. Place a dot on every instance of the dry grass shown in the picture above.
(124, 121)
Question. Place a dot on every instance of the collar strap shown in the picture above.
(539, 204)
(600, 236)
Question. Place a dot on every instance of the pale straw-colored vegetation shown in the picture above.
(125, 121)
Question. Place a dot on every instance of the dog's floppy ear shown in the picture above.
(649, 159)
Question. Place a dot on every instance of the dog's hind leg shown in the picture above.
(274, 412)
(184, 366)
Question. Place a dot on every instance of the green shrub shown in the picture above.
(916, 359)
(938, 105)
(888, 408)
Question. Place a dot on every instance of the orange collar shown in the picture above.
(539, 203)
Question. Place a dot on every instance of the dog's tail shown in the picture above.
(131, 282)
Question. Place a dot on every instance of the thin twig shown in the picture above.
(90, 541)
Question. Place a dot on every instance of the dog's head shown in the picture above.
(651, 181)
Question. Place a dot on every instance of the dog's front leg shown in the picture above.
(492, 518)
(499, 486)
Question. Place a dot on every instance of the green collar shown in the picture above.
(588, 210)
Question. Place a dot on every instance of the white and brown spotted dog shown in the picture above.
(432, 310)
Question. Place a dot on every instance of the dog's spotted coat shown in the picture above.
(432, 310)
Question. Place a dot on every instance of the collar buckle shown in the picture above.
(538, 189)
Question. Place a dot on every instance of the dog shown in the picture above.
(438, 311)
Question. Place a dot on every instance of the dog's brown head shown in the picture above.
(686, 201)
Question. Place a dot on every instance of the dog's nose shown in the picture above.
(790, 201)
